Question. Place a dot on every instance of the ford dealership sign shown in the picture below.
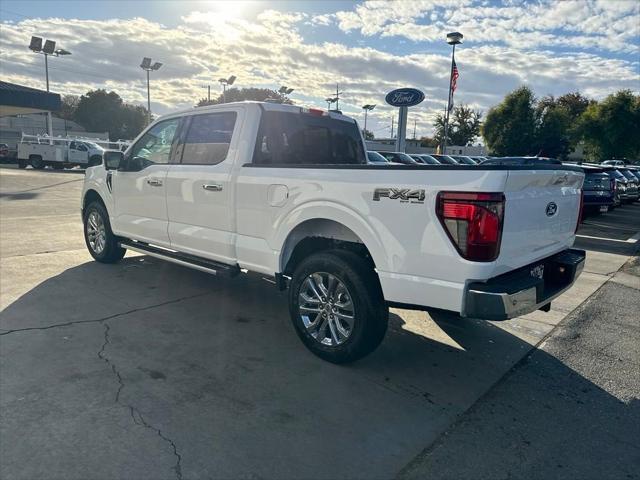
(404, 97)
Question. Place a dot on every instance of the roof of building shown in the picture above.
(18, 99)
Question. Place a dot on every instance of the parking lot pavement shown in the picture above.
(569, 410)
(149, 370)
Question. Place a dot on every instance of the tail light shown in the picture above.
(579, 221)
(612, 185)
(473, 222)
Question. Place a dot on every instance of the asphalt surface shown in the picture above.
(569, 410)
(145, 369)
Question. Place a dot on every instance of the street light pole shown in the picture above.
(225, 82)
(46, 69)
(49, 48)
(453, 38)
(367, 108)
(148, 67)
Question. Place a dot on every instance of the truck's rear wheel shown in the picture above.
(100, 240)
(337, 307)
(36, 162)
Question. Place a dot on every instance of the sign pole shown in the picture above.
(402, 129)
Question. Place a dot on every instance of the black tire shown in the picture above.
(94, 160)
(111, 251)
(370, 313)
(36, 162)
(22, 164)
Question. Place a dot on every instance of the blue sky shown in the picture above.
(368, 47)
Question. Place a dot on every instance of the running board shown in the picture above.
(184, 259)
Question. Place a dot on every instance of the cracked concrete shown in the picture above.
(133, 410)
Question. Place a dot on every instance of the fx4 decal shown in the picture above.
(405, 195)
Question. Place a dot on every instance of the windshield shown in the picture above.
(464, 160)
(405, 157)
(93, 146)
(428, 159)
(445, 159)
(375, 157)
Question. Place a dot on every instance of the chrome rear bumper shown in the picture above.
(520, 292)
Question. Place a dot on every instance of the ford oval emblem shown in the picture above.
(404, 97)
(552, 208)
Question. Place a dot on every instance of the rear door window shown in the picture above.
(208, 138)
(288, 138)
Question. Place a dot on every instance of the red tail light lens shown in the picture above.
(473, 222)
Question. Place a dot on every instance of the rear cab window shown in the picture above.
(290, 138)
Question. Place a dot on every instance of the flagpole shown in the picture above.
(453, 39)
(446, 118)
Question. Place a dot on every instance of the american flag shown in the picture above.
(454, 83)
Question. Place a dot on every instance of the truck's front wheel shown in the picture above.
(337, 306)
(100, 240)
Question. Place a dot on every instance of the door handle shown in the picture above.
(212, 187)
(154, 182)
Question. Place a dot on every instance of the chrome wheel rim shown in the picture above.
(96, 233)
(326, 308)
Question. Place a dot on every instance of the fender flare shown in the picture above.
(324, 210)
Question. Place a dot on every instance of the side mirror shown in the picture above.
(112, 159)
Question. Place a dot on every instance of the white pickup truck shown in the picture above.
(61, 153)
(286, 192)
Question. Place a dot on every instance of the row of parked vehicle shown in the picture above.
(422, 159)
(607, 185)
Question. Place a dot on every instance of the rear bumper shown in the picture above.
(598, 200)
(519, 292)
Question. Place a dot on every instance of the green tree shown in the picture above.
(464, 126)
(610, 128)
(510, 127)
(428, 142)
(367, 134)
(242, 94)
(553, 128)
(99, 111)
(69, 106)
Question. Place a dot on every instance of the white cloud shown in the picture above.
(610, 25)
(272, 51)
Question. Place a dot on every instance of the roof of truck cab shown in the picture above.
(268, 106)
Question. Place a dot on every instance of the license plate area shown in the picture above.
(537, 271)
(604, 209)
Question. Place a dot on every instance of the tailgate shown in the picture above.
(541, 212)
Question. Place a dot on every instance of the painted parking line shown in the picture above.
(633, 239)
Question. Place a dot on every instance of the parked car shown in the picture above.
(530, 161)
(444, 159)
(614, 163)
(599, 190)
(252, 187)
(463, 159)
(376, 159)
(633, 185)
(424, 158)
(479, 159)
(619, 179)
(399, 157)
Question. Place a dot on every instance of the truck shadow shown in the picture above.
(217, 364)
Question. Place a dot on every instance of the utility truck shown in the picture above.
(287, 192)
(58, 152)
